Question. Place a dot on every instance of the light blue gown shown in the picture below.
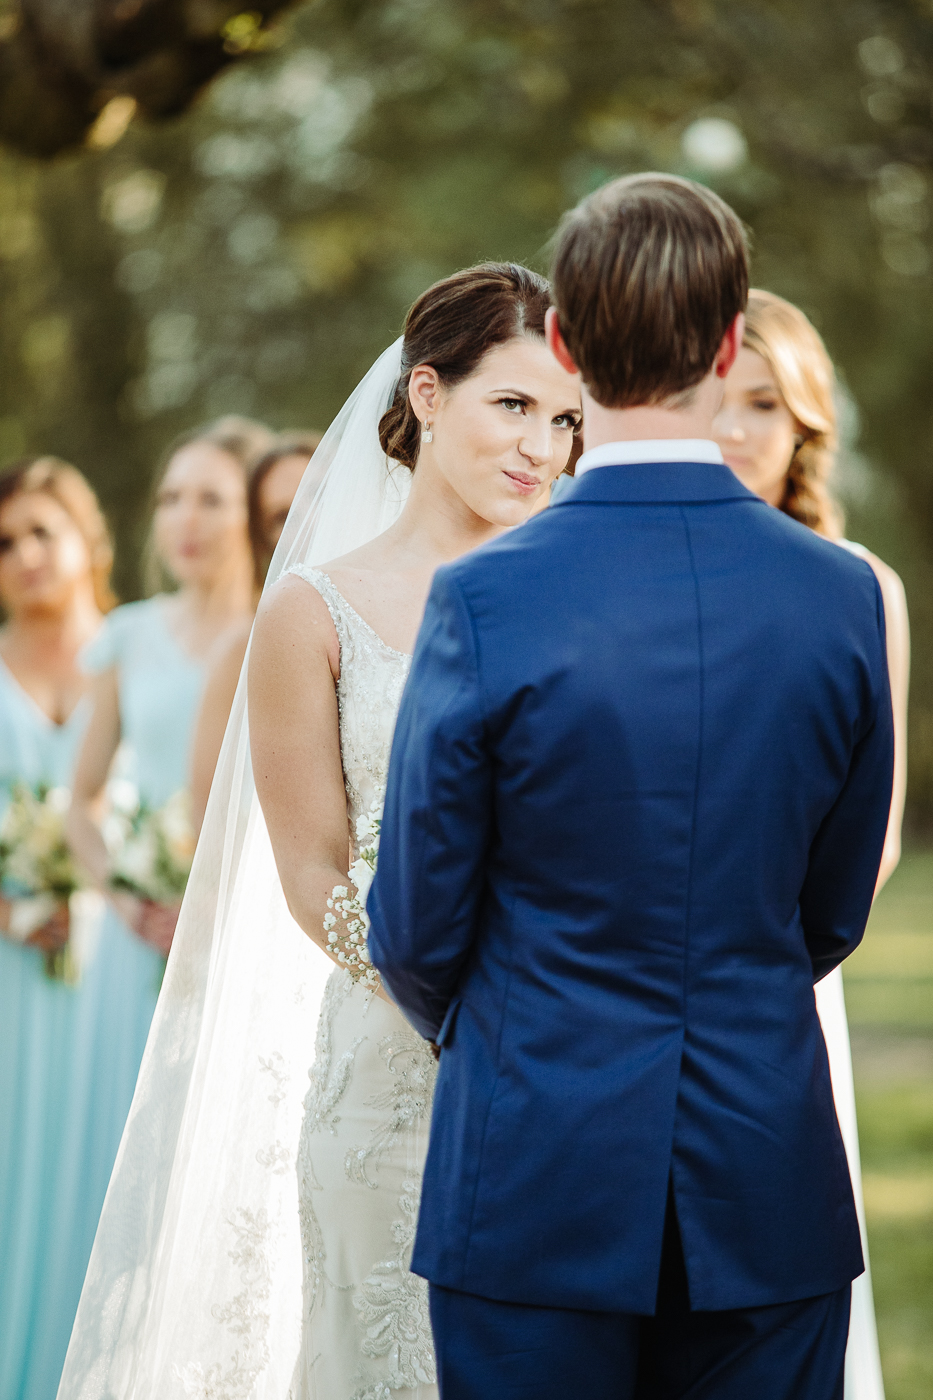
(69, 1057)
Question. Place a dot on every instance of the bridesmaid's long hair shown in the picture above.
(74, 493)
(781, 334)
(300, 442)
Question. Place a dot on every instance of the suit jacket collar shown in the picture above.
(657, 483)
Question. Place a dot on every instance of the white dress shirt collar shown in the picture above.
(618, 454)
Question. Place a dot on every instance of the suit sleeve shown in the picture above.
(843, 868)
(429, 881)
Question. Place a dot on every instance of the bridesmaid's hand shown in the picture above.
(153, 923)
(53, 935)
(50, 937)
(157, 925)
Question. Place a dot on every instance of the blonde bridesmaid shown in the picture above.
(60, 1119)
(777, 432)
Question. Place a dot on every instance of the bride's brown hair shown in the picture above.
(451, 327)
(780, 333)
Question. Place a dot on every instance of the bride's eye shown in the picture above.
(512, 405)
(567, 420)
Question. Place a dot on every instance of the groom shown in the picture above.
(636, 806)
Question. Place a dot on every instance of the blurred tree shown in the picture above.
(257, 252)
(66, 65)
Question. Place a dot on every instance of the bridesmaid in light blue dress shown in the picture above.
(149, 666)
(60, 1121)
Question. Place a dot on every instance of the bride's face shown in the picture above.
(502, 436)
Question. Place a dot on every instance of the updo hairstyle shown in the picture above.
(50, 476)
(451, 327)
(781, 334)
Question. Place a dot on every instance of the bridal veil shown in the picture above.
(194, 1287)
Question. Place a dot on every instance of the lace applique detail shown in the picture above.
(312, 1243)
(407, 1100)
(244, 1316)
(392, 1306)
(276, 1068)
(277, 1158)
(328, 1085)
(369, 691)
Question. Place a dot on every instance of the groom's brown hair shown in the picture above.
(649, 273)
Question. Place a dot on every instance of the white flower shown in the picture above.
(369, 824)
(348, 945)
(361, 873)
(123, 796)
(113, 830)
(34, 854)
(58, 800)
(138, 857)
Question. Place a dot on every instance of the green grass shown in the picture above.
(889, 995)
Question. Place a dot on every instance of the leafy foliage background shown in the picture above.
(255, 253)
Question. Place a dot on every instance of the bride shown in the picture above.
(250, 1249)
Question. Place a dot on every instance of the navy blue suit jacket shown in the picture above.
(636, 806)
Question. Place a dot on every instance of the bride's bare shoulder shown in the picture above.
(293, 621)
(369, 556)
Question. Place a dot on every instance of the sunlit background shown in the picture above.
(206, 210)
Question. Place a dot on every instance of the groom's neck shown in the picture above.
(652, 421)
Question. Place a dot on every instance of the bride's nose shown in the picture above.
(537, 448)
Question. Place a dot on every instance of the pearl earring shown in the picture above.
(426, 433)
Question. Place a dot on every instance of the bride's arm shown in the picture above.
(295, 747)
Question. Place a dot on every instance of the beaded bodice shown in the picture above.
(369, 691)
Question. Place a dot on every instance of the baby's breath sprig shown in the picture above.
(346, 922)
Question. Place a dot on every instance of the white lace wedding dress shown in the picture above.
(366, 1333)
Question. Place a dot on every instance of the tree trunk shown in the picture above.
(61, 61)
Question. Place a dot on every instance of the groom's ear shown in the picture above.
(730, 346)
(555, 342)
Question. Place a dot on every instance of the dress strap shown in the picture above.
(332, 599)
(854, 548)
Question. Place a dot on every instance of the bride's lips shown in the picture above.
(525, 483)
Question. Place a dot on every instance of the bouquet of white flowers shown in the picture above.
(348, 944)
(151, 848)
(37, 869)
